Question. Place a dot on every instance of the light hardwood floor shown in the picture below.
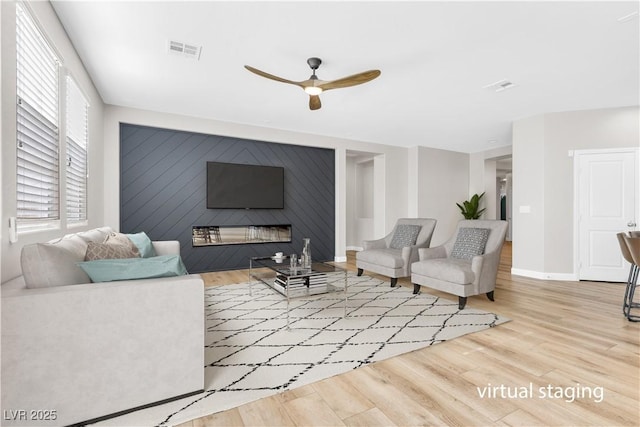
(570, 336)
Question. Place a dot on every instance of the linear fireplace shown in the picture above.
(210, 235)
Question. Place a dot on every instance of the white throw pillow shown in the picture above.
(54, 264)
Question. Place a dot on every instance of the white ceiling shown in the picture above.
(435, 59)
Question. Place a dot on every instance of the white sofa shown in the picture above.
(90, 351)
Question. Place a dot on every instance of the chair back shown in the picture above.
(633, 243)
(426, 232)
(624, 248)
(496, 236)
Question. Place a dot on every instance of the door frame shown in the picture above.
(576, 194)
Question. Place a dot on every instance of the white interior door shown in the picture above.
(607, 202)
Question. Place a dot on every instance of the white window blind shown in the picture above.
(37, 125)
(77, 136)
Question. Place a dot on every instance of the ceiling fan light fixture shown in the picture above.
(313, 90)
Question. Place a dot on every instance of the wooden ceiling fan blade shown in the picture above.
(314, 102)
(356, 79)
(271, 76)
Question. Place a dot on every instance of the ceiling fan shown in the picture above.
(314, 86)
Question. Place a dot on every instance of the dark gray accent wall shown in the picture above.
(163, 193)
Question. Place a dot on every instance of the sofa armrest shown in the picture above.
(485, 267)
(410, 254)
(432, 253)
(167, 247)
(374, 244)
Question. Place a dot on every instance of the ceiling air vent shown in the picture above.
(184, 49)
(500, 85)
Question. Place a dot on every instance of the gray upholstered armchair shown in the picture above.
(393, 254)
(466, 265)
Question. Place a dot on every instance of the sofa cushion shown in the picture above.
(446, 269)
(94, 235)
(115, 238)
(405, 235)
(108, 270)
(54, 264)
(142, 241)
(109, 251)
(387, 257)
(470, 242)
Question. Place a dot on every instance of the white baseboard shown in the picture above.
(340, 259)
(354, 248)
(565, 277)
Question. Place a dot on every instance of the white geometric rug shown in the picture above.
(250, 354)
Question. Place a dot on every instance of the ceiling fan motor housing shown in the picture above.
(314, 63)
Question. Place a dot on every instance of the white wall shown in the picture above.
(360, 200)
(482, 173)
(489, 199)
(528, 194)
(48, 20)
(443, 181)
(543, 180)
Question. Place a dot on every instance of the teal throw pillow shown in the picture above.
(109, 270)
(143, 243)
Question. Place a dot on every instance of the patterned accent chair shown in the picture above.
(465, 265)
(393, 254)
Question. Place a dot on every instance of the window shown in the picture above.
(37, 126)
(77, 135)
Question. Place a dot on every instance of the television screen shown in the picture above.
(240, 186)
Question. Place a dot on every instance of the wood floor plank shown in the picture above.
(390, 399)
(265, 412)
(560, 333)
(609, 404)
(446, 396)
(312, 410)
(226, 418)
(343, 397)
(374, 417)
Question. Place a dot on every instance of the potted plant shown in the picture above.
(469, 208)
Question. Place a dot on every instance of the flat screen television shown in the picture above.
(241, 186)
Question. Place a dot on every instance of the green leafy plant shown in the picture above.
(469, 208)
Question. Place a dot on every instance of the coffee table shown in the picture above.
(321, 278)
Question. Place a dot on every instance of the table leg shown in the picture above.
(288, 286)
(250, 277)
(346, 294)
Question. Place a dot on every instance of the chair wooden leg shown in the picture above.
(490, 296)
(360, 271)
(462, 301)
(394, 282)
(416, 289)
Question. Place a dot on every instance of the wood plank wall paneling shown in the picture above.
(163, 193)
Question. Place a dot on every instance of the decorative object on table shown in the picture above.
(306, 253)
(293, 262)
(471, 210)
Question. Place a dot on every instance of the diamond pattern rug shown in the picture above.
(250, 354)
